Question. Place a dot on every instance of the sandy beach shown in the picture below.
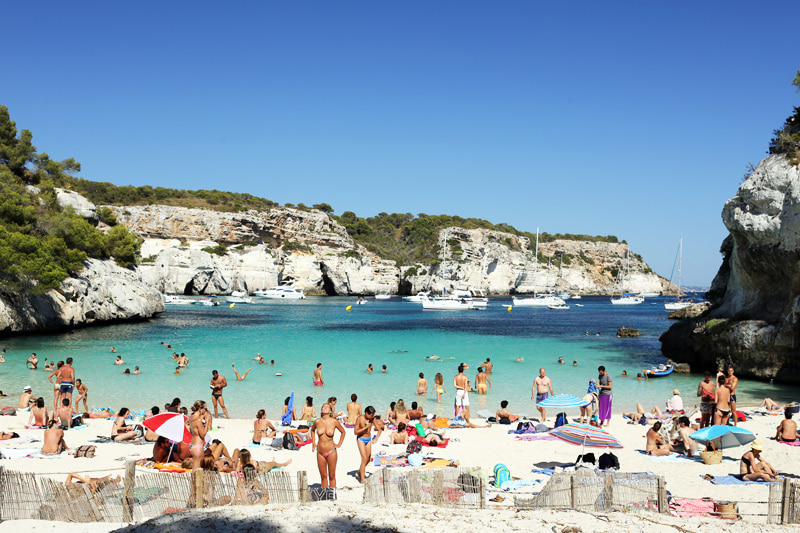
(469, 447)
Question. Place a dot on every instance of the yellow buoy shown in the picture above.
(232, 306)
(349, 307)
(509, 308)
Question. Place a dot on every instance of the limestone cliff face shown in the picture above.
(755, 296)
(323, 258)
(102, 293)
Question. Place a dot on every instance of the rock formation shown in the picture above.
(755, 296)
(181, 253)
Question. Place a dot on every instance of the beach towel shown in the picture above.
(794, 443)
(438, 463)
(18, 453)
(390, 460)
(545, 471)
(26, 438)
(731, 480)
(516, 484)
(685, 507)
(540, 436)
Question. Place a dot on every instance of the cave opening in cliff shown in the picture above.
(327, 284)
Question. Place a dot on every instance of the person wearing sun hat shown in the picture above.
(25, 397)
(753, 468)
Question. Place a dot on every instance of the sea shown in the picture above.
(346, 338)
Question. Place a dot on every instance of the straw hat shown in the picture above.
(676, 392)
(757, 445)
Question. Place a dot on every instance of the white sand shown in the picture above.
(472, 447)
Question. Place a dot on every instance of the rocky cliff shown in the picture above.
(196, 251)
(754, 320)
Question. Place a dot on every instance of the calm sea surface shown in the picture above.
(393, 333)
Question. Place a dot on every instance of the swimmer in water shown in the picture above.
(238, 377)
(520, 360)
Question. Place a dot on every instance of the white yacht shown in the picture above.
(678, 303)
(238, 297)
(383, 295)
(626, 299)
(417, 298)
(458, 301)
(174, 299)
(287, 290)
(538, 300)
(479, 299)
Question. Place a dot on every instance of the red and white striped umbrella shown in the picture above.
(171, 426)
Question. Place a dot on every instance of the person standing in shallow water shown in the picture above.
(317, 378)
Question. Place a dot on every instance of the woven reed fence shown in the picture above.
(784, 502)
(137, 498)
(445, 487)
(589, 491)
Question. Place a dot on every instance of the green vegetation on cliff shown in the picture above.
(787, 139)
(41, 243)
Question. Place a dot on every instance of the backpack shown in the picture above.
(561, 420)
(468, 483)
(501, 475)
(608, 461)
(414, 446)
(587, 458)
(289, 443)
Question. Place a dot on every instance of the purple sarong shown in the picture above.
(604, 407)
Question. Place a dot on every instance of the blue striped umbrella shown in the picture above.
(585, 436)
(563, 401)
(722, 437)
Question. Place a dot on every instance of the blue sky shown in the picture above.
(634, 119)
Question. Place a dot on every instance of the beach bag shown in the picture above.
(76, 421)
(501, 475)
(587, 458)
(277, 442)
(8, 411)
(289, 443)
(414, 446)
(468, 483)
(608, 461)
(561, 420)
(503, 420)
(85, 451)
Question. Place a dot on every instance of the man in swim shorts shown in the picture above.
(460, 383)
(217, 384)
(732, 382)
(705, 390)
(542, 388)
(317, 378)
(66, 376)
(787, 430)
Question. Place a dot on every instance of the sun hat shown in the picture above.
(757, 445)
(676, 391)
(26, 387)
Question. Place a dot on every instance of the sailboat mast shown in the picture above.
(680, 265)
(536, 263)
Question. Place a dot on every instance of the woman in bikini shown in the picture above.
(57, 384)
(262, 428)
(242, 458)
(39, 415)
(322, 433)
(439, 381)
(400, 413)
(198, 423)
(119, 431)
(363, 432)
(723, 400)
(308, 409)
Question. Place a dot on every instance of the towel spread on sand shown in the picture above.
(26, 438)
(677, 458)
(515, 484)
(539, 436)
(731, 480)
(390, 460)
(794, 443)
(442, 445)
(685, 507)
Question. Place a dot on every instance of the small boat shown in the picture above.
(649, 294)
(678, 303)
(417, 298)
(174, 299)
(209, 302)
(383, 295)
(626, 299)
(449, 303)
(564, 306)
(287, 290)
(538, 300)
(238, 297)
(659, 371)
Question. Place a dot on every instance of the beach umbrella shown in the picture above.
(563, 401)
(171, 426)
(286, 419)
(585, 436)
(721, 437)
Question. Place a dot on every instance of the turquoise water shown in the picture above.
(398, 334)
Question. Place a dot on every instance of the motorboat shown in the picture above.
(479, 299)
(560, 307)
(209, 302)
(450, 302)
(287, 290)
(659, 371)
(238, 297)
(538, 300)
(174, 299)
(383, 295)
(649, 294)
(417, 298)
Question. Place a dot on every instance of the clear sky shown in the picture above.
(628, 118)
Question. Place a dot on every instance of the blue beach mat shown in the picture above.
(732, 480)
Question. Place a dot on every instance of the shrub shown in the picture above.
(216, 250)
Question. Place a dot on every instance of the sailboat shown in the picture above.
(626, 299)
(457, 300)
(538, 300)
(678, 304)
(563, 295)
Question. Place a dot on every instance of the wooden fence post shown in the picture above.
(608, 491)
(573, 491)
(483, 492)
(98, 517)
(438, 486)
(2, 490)
(302, 487)
(130, 488)
(198, 488)
(663, 507)
(786, 502)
